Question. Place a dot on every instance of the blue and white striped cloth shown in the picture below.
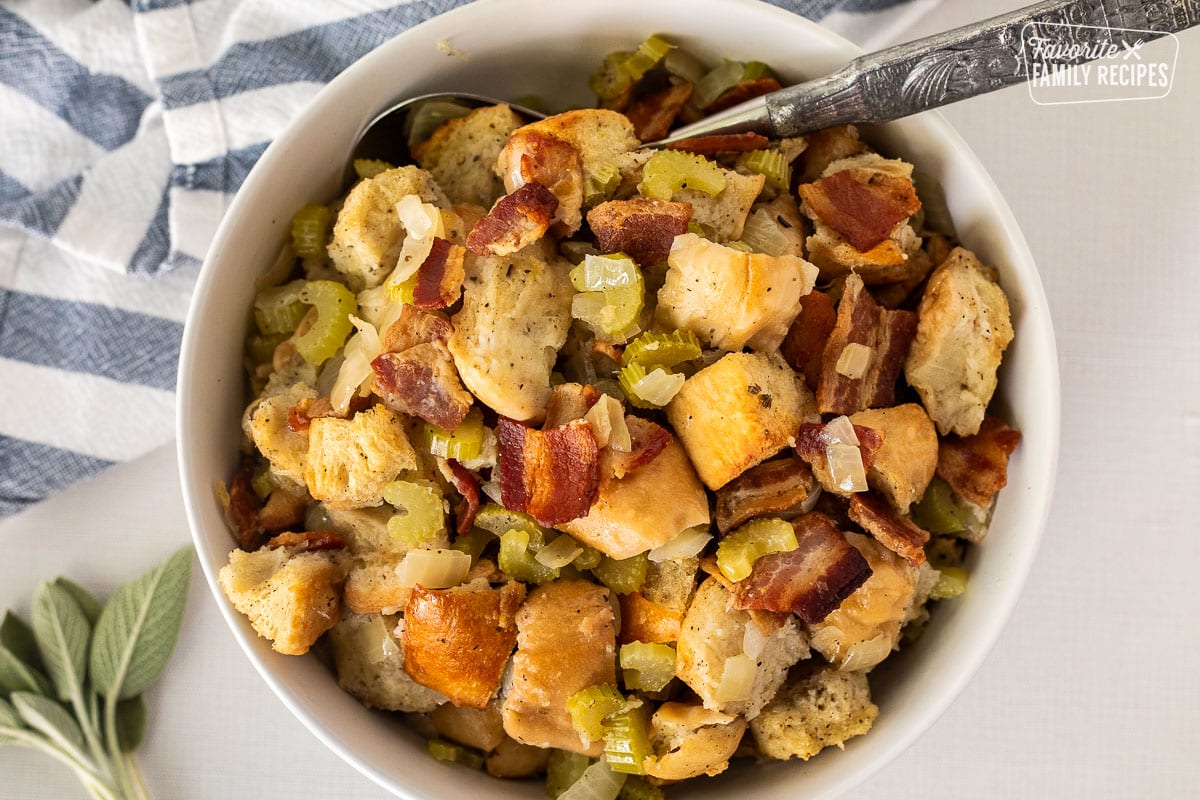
(125, 129)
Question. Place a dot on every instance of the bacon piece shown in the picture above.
(301, 415)
(553, 475)
(518, 219)
(810, 581)
(241, 514)
(457, 641)
(530, 156)
(415, 327)
(805, 340)
(641, 228)
(305, 541)
(746, 90)
(773, 487)
(653, 115)
(863, 206)
(569, 402)
(888, 334)
(422, 381)
(812, 441)
(644, 620)
(647, 440)
(440, 277)
(976, 467)
(899, 534)
(716, 143)
(467, 486)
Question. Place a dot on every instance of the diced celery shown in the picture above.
(263, 482)
(448, 751)
(669, 171)
(589, 559)
(517, 559)
(601, 183)
(653, 389)
(684, 64)
(621, 70)
(738, 551)
(716, 82)
(591, 706)
(260, 348)
(366, 168)
(636, 788)
(740, 246)
(334, 303)
(662, 349)
(939, 511)
(498, 520)
(473, 543)
(598, 782)
(562, 770)
(609, 271)
(623, 575)
(770, 163)
(611, 294)
(647, 667)
(420, 513)
(310, 231)
(462, 444)
(697, 228)
(951, 583)
(279, 308)
(627, 740)
(755, 69)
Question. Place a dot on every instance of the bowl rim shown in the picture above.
(195, 491)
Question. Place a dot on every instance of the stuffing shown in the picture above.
(723, 215)
(815, 711)
(290, 598)
(367, 235)
(905, 463)
(369, 661)
(512, 759)
(690, 740)
(481, 728)
(351, 460)
(530, 156)
(963, 328)
(461, 152)
(266, 425)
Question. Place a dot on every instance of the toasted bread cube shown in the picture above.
(826, 146)
(511, 759)
(290, 598)
(266, 425)
(963, 328)
(671, 583)
(604, 139)
(369, 660)
(481, 728)
(457, 641)
(461, 152)
(374, 587)
(905, 464)
(368, 235)
(713, 631)
(690, 740)
(723, 215)
(737, 413)
(351, 460)
(566, 642)
(813, 712)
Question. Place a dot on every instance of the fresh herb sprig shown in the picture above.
(71, 683)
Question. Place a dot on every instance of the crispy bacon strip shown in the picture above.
(810, 581)
(773, 487)
(863, 206)
(647, 440)
(641, 228)
(517, 219)
(746, 90)
(897, 533)
(306, 541)
(976, 467)
(888, 334)
(242, 512)
(569, 402)
(653, 115)
(553, 475)
(721, 143)
(415, 327)
(467, 486)
(805, 340)
(530, 156)
(422, 382)
(812, 441)
(440, 277)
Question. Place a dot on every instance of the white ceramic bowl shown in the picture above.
(516, 47)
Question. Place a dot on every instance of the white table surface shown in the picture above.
(1090, 692)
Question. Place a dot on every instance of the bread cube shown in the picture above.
(461, 153)
(369, 660)
(266, 425)
(351, 460)
(812, 712)
(723, 215)
(905, 463)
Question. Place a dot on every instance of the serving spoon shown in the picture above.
(897, 82)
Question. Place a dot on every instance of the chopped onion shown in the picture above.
(433, 569)
(737, 679)
(846, 467)
(854, 360)
(688, 543)
(375, 641)
(607, 418)
(598, 782)
(753, 640)
(763, 235)
(810, 502)
(659, 386)
(355, 371)
(841, 431)
(422, 222)
(559, 553)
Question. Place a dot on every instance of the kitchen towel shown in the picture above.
(125, 129)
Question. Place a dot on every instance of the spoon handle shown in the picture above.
(951, 66)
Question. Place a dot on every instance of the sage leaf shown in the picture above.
(138, 628)
(63, 633)
(51, 720)
(131, 723)
(17, 676)
(18, 638)
(90, 606)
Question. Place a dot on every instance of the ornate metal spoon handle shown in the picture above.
(952, 66)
